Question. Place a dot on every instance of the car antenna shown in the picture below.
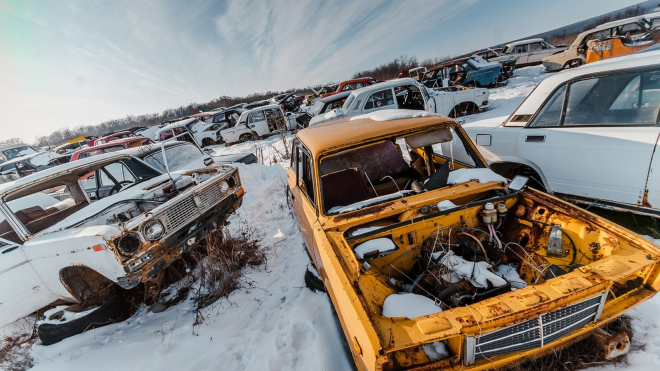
(167, 168)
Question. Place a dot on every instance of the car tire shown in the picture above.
(573, 63)
(313, 281)
(245, 138)
(104, 315)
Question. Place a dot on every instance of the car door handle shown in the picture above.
(535, 138)
(10, 249)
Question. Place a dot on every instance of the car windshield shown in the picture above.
(18, 152)
(348, 102)
(316, 108)
(394, 168)
(177, 157)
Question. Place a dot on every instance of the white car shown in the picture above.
(589, 134)
(576, 54)
(259, 122)
(527, 52)
(75, 248)
(204, 133)
(408, 94)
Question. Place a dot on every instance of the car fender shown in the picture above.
(519, 160)
(88, 246)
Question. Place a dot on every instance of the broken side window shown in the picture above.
(380, 99)
(550, 114)
(304, 173)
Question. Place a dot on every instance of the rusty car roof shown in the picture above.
(346, 132)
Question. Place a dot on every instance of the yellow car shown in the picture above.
(618, 47)
(433, 261)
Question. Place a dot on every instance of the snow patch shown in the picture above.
(477, 273)
(67, 316)
(481, 175)
(371, 201)
(377, 244)
(393, 114)
(510, 274)
(364, 230)
(436, 351)
(446, 204)
(409, 306)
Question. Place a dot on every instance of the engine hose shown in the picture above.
(447, 292)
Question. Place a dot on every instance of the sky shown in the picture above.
(67, 63)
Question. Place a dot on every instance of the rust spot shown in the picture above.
(645, 199)
(468, 320)
(497, 309)
(532, 298)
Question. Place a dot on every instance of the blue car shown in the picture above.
(472, 71)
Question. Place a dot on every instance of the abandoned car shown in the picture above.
(351, 85)
(325, 105)
(527, 52)
(19, 167)
(9, 151)
(260, 122)
(407, 93)
(203, 133)
(78, 250)
(113, 146)
(432, 261)
(472, 71)
(619, 46)
(576, 54)
(589, 135)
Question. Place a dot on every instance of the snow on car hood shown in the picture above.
(335, 113)
(491, 123)
(393, 114)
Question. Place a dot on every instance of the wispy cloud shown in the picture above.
(69, 63)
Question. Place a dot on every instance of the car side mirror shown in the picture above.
(518, 183)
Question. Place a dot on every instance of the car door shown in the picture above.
(257, 122)
(429, 101)
(595, 137)
(521, 53)
(536, 52)
(22, 291)
(301, 193)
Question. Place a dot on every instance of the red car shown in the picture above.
(351, 85)
(116, 145)
(114, 136)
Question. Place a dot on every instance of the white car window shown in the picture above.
(257, 116)
(380, 99)
(629, 99)
(118, 171)
(550, 114)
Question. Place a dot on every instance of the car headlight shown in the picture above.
(128, 244)
(153, 230)
(224, 186)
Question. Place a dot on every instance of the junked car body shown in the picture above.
(325, 105)
(407, 93)
(19, 167)
(527, 52)
(9, 151)
(588, 134)
(113, 146)
(80, 248)
(472, 71)
(420, 247)
(261, 121)
(619, 46)
(112, 137)
(203, 133)
(349, 85)
(575, 55)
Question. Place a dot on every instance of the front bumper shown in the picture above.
(485, 107)
(551, 66)
(163, 253)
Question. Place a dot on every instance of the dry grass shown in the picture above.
(579, 356)
(15, 351)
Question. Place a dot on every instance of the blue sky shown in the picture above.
(67, 63)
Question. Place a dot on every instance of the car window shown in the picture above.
(631, 27)
(117, 170)
(89, 154)
(219, 118)
(360, 85)
(257, 116)
(304, 173)
(8, 168)
(380, 99)
(177, 157)
(348, 87)
(550, 114)
(348, 102)
(18, 152)
(113, 149)
(628, 99)
(425, 93)
(520, 49)
(533, 47)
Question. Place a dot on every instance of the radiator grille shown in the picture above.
(536, 332)
(188, 209)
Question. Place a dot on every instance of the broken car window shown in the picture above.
(550, 114)
(177, 157)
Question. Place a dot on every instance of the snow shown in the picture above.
(409, 306)
(446, 204)
(393, 114)
(364, 230)
(482, 175)
(436, 351)
(477, 272)
(67, 316)
(334, 113)
(365, 203)
(278, 324)
(378, 244)
(510, 274)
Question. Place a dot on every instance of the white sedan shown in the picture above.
(588, 134)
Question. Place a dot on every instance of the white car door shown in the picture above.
(257, 122)
(429, 101)
(22, 291)
(537, 51)
(595, 138)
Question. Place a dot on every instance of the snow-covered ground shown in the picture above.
(277, 324)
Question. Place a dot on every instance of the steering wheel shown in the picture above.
(117, 187)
